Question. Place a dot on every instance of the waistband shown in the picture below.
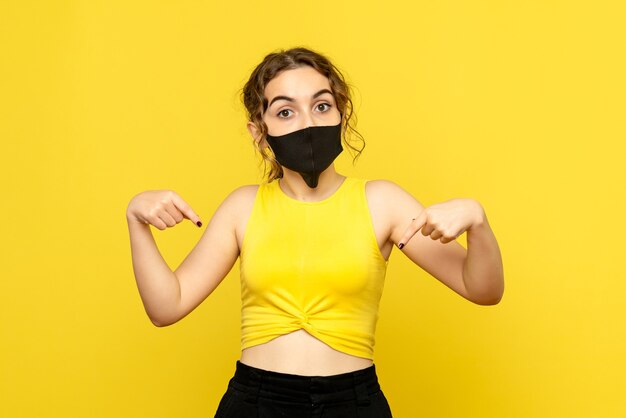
(255, 383)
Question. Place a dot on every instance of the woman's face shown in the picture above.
(297, 99)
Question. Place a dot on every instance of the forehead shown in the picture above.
(299, 82)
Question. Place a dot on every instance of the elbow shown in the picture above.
(158, 324)
(488, 301)
(161, 322)
(163, 317)
(488, 298)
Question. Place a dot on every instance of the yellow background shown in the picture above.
(520, 105)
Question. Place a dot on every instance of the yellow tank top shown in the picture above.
(312, 265)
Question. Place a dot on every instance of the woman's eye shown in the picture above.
(321, 108)
(284, 113)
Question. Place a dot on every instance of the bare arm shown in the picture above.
(168, 295)
(483, 271)
(158, 285)
(476, 274)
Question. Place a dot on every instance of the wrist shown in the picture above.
(132, 219)
(480, 218)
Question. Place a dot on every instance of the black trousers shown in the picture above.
(257, 393)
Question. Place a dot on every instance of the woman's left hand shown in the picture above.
(445, 221)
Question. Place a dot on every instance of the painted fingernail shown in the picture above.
(199, 224)
(400, 245)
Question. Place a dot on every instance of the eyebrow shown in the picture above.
(290, 99)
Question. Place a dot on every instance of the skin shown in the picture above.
(425, 234)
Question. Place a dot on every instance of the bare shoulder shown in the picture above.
(391, 195)
(393, 205)
(243, 193)
(381, 186)
(239, 204)
(241, 198)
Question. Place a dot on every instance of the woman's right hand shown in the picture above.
(160, 208)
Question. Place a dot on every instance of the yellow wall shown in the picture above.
(520, 105)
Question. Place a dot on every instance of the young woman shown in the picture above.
(313, 248)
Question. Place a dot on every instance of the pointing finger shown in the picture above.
(186, 209)
(416, 225)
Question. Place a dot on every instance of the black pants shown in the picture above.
(257, 393)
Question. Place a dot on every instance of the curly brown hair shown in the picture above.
(253, 98)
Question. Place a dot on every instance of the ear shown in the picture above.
(256, 135)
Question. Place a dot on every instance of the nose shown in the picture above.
(308, 120)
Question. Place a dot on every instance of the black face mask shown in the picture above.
(308, 151)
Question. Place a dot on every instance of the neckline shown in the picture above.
(317, 202)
